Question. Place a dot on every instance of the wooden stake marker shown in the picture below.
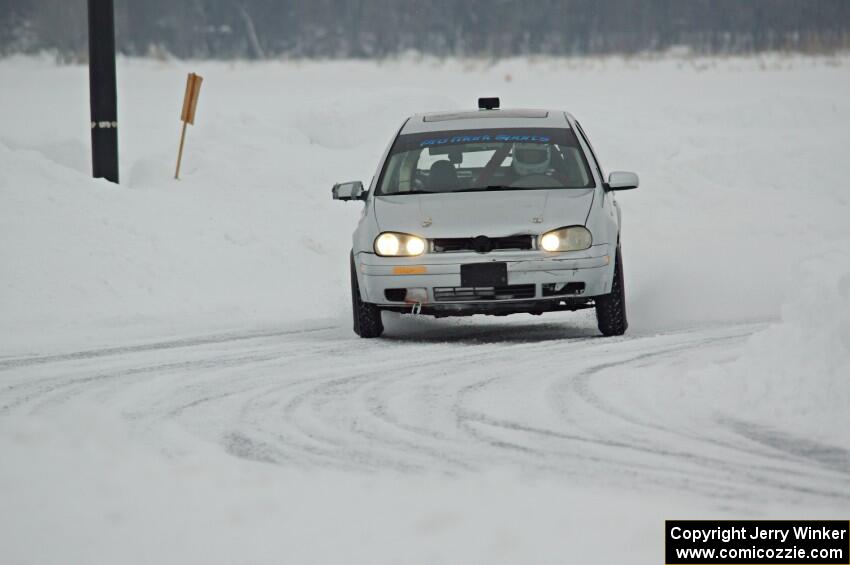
(190, 102)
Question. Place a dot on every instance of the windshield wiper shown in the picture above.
(488, 187)
(409, 192)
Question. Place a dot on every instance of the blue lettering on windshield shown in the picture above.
(523, 138)
(472, 138)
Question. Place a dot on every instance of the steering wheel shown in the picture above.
(418, 182)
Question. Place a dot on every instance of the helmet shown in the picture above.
(531, 158)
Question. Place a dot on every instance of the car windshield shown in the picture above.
(487, 159)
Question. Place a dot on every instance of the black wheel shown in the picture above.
(611, 308)
(367, 316)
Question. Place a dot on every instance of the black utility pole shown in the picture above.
(104, 106)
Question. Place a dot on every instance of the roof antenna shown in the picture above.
(488, 103)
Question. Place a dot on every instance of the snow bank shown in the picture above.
(795, 375)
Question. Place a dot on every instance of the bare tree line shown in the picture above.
(381, 28)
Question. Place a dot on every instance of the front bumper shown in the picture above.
(590, 271)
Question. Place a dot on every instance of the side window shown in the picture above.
(592, 152)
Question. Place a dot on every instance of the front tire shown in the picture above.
(367, 316)
(611, 308)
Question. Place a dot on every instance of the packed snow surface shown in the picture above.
(179, 382)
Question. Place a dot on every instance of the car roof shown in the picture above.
(485, 119)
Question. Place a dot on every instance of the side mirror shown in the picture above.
(622, 180)
(352, 190)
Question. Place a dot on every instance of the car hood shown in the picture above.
(494, 214)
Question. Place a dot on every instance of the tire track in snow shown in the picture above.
(187, 342)
(830, 457)
(321, 399)
(773, 469)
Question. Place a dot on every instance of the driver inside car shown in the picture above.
(531, 158)
(531, 164)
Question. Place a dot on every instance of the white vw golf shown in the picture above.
(488, 212)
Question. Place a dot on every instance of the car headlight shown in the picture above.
(573, 238)
(391, 244)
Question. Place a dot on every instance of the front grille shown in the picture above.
(460, 293)
(455, 244)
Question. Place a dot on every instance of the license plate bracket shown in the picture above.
(484, 274)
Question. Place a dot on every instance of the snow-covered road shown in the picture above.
(179, 382)
(544, 398)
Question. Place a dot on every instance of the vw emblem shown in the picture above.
(482, 244)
